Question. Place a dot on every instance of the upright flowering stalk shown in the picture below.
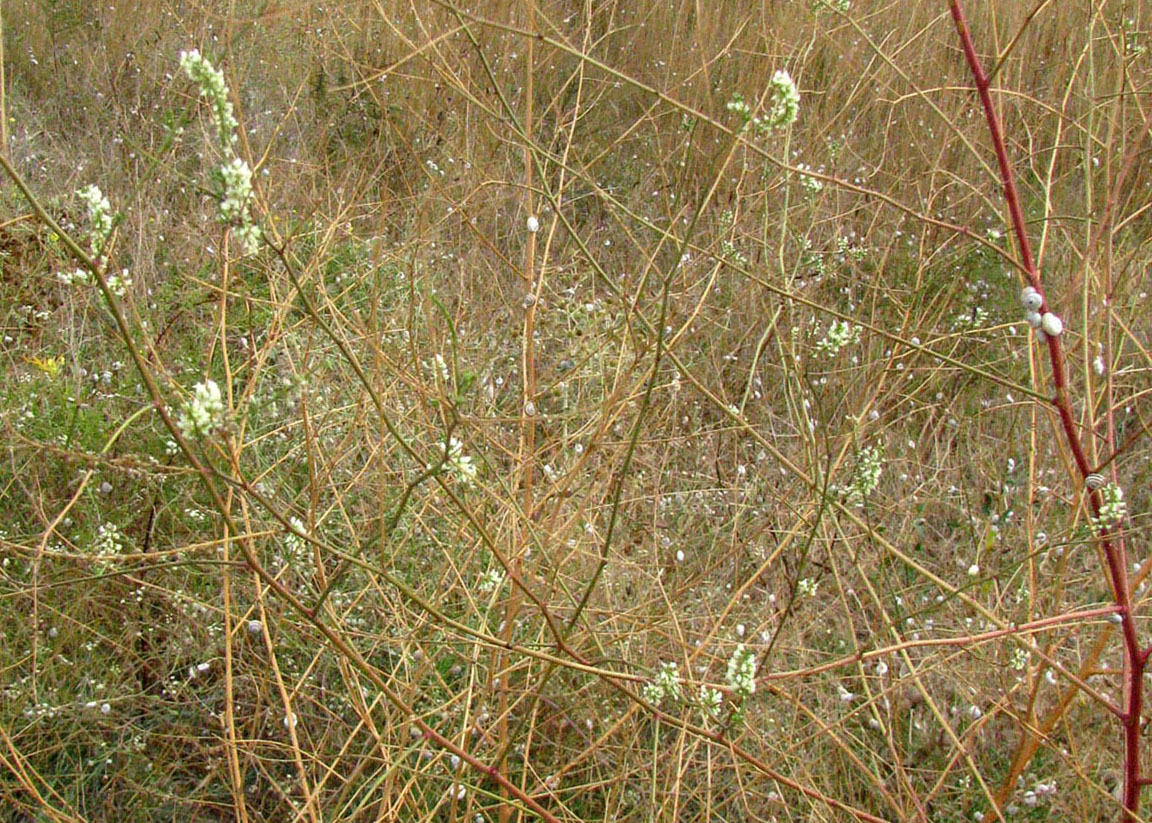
(782, 105)
(866, 477)
(101, 220)
(215, 90)
(237, 189)
(237, 179)
(783, 101)
(234, 174)
(741, 674)
(99, 217)
(203, 412)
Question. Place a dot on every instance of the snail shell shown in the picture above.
(1031, 299)
(1051, 324)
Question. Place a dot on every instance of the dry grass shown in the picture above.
(664, 448)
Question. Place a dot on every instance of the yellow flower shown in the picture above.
(50, 367)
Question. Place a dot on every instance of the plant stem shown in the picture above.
(1135, 659)
(3, 99)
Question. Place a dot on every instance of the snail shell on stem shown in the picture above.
(1051, 324)
(1031, 299)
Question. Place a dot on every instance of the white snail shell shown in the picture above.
(1041, 336)
(1051, 324)
(1095, 481)
(1033, 319)
(1031, 299)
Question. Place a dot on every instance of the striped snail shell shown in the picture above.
(1095, 481)
(1031, 299)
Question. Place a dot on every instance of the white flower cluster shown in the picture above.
(70, 277)
(109, 539)
(809, 183)
(460, 465)
(867, 476)
(490, 581)
(99, 216)
(974, 318)
(740, 106)
(293, 552)
(711, 701)
(781, 108)
(295, 545)
(783, 102)
(665, 685)
(212, 86)
(250, 237)
(741, 674)
(119, 284)
(203, 412)
(1113, 509)
(235, 175)
(442, 370)
(237, 189)
(840, 334)
(109, 543)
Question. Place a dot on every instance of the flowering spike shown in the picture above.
(203, 412)
(783, 102)
(212, 86)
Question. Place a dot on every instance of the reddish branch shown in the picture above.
(1111, 543)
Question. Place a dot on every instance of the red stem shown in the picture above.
(1135, 659)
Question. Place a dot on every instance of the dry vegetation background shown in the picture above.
(670, 449)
